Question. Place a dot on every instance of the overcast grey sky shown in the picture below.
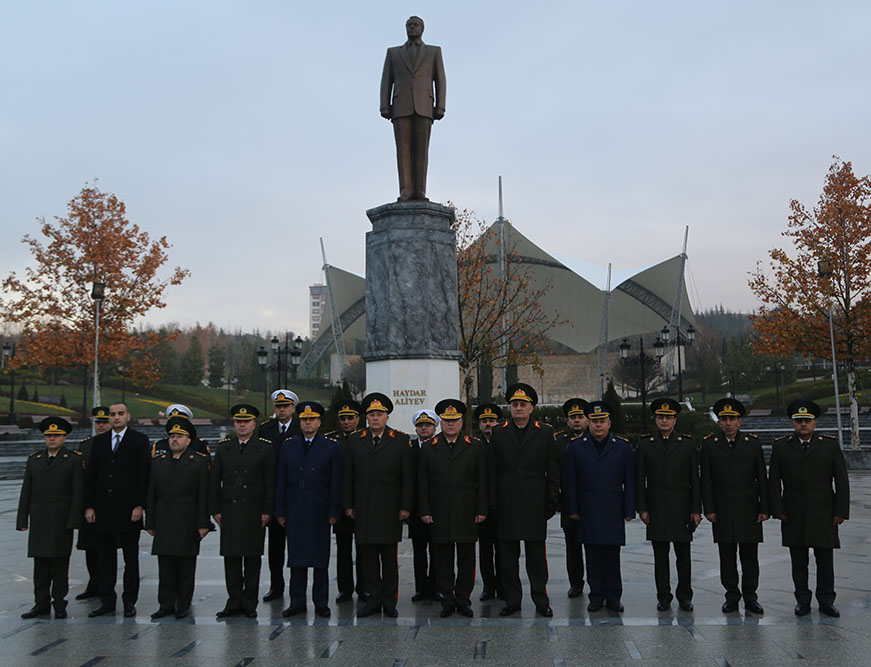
(246, 130)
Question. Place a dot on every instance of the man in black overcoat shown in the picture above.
(576, 423)
(87, 541)
(425, 424)
(524, 478)
(278, 428)
(379, 495)
(452, 500)
(489, 415)
(669, 500)
(735, 497)
(810, 494)
(50, 506)
(177, 516)
(242, 500)
(116, 490)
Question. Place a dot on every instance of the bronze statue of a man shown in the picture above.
(413, 88)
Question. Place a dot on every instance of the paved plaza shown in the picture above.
(639, 636)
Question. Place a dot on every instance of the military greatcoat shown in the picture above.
(378, 483)
(452, 487)
(668, 485)
(734, 486)
(51, 502)
(242, 489)
(178, 502)
(801, 488)
(524, 479)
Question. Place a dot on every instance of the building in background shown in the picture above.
(317, 307)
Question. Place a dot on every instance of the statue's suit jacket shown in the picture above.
(418, 84)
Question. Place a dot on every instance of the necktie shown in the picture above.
(308, 446)
(804, 445)
(242, 447)
(376, 439)
(50, 460)
(281, 428)
(115, 440)
(731, 444)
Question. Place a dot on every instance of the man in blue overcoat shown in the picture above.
(598, 485)
(308, 501)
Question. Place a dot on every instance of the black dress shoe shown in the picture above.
(60, 613)
(102, 610)
(662, 605)
(614, 605)
(447, 610)
(465, 610)
(391, 613)
(753, 607)
(544, 610)
(87, 595)
(293, 611)
(182, 613)
(417, 597)
(226, 613)
(576, 591)
(363, 595)
(33, 613)
(273, 595)
(802, 609)
(437, 596)
(250, 613)
(732, 605)
(343, 597)
(323, 612)
(509, 609)
(129, 611)
(830, 610)
(685, 605)
(595, 605)
(368, 611)
(487, 595)
(160, 613)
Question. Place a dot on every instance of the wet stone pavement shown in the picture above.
(639, 636)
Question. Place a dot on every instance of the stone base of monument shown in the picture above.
(411, 307)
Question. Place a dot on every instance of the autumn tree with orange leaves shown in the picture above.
(51, 303)
(829, 265)
(502, 321)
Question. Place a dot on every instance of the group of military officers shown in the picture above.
(363, 481)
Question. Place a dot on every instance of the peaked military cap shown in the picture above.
(803, 409)
(244, 412)
(182, 426)
(520, 391)
(488, 411)
(376, 402)
(346, 408)
(425, 417)
(599, 410)
(284, 397)
(179, 410)
(100, 413)
(450, 408)
(729, 407)
(575, 406)
(665, 406)
(309, 410)
(55, 426)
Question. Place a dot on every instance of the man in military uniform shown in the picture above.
(425, 424)
(576, 422)
(308, 500)
(669, 500)
(524, 480)
(87, 541)
(804, 466)
(488, 415)
(177, 516)
(116, 490)
(242, 500)
(348, 412)
(50, 504)
(452, 500)
(598, 486)
(379, 495)
(277, 429)
(735, 498)
(196, 445)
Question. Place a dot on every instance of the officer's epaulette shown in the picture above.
(268, 442)
(783, 437)
(36, 454)
(396, 430)
(159, 454)
(265, 421)
(556, 433)
(620, 437)
(362, 433)
(467, 439)
(536, 424)
(434, 441)
(826, 435)
(645, 435)
(77, 452)
(710, 435)
(227, 439)
(201, 454)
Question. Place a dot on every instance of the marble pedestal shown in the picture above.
(411, 307)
